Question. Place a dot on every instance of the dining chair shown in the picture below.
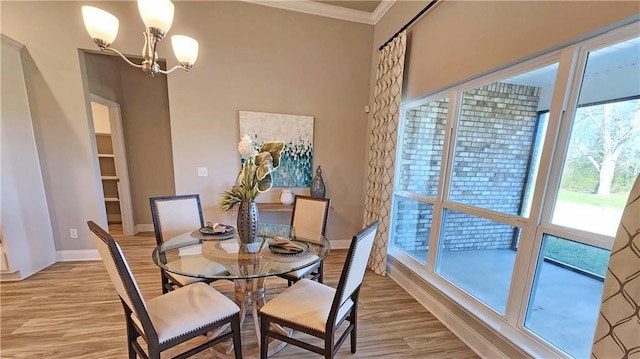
(309, 213)
(175, 215)
(317, 309)
(170, 319)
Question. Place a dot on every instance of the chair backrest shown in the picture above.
(174, 215)
(354, 266)
(310, 213)
(119, 271)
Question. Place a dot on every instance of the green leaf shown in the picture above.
(229, 199)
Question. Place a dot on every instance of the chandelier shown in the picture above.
(157, 16)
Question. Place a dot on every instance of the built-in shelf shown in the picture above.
(110, 178)
(274, 207)
(277, 207)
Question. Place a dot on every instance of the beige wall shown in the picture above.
(456, 40)
(251, 58)
(101, 121)
(24, 228)
(264, 59)
(144, 106)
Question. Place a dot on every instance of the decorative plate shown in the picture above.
(211, 232)
(281, 250)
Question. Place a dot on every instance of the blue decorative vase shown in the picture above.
(317, 186)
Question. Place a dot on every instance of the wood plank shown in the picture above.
(71, 310)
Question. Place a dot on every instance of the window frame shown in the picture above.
(571, 61)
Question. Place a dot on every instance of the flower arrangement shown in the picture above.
(255, 175)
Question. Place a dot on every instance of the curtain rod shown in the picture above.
(415, 18)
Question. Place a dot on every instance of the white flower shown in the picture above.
(245, 147)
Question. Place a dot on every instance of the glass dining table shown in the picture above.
(221, 256)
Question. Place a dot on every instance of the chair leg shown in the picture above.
(132, 351)
(132, 333)
(165, 282)
(264, 337)
(328, 350)
(237, 340)
(154, 353)
(329, 343)
(321, 272)
(353, 318)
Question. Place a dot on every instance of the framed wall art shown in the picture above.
(296, 131)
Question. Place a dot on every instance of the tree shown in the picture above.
(605, 135)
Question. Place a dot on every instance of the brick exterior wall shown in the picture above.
(494, 144)
(424, 130)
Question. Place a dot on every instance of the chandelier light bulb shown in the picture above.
(157, 13)
(185, 48)
(100, 24)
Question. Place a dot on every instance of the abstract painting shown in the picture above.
(296, 131)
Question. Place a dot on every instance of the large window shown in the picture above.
(600, 161)
(521, 196)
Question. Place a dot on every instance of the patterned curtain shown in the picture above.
(618, 329)
(382, 153)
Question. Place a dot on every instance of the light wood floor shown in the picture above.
(71, 310)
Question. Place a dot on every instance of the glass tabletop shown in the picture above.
(194, 254)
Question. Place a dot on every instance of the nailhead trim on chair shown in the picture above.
(196, 329)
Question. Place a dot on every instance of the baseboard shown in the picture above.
(143, 228)
(77, 255)
(7, 276)
(461, 329)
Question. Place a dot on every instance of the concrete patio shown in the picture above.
(564, 306)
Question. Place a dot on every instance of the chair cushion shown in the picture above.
(301, 273)
(187, 309)
(306, 303)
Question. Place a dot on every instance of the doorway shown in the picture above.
(108, 131)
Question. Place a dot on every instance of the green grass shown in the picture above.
(615, 200)
(578, 255)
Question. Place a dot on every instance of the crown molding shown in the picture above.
(336, 12)
(382, 9)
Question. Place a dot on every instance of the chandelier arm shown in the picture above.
(121, 55)
(173, 69)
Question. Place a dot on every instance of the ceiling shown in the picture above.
(368, 6)
(364, 11)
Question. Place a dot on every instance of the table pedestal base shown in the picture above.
(250, 297)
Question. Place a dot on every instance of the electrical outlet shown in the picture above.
(73, 233)
(203, 171)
